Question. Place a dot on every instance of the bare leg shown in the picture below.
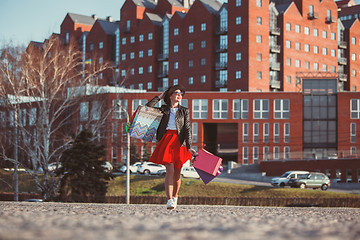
(169, 180)
(177, 182)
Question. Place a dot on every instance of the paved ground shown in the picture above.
(23, 220)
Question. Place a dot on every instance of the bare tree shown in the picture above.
(40, 90)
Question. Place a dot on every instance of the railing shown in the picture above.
(274, 47)
(275, 66)
(220, 83)
(163, 56)
(342, 60)
(221, 65)
(343, 77)
(274, 84)
(274, 30)
(163, 73)
(313, 15)
(221, 29)
(222, 47)
(342, 44)
(330, 19)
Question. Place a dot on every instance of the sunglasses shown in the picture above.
(179, 93)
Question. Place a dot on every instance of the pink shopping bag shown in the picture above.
(207, 162)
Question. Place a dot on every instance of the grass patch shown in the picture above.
(150, 185)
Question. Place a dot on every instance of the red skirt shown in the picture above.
(168, 150)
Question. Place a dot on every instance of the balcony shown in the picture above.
(330, 19)
(342, 60)
(275, 66)
(221, 30)
(222, 48)
(274, 47)
(221, 65)
(220, 83)
(313, 15)
(274, 30)
(163, 56)
(274, 83)
(342, 44)
(163, 73)
(342, 77)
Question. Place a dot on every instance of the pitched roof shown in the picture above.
(156, 19)
(145, 3)
(108, 27)
(348, 23)
(82, 19)
(212, 6)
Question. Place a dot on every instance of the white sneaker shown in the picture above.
(175, 201)
(170, 204)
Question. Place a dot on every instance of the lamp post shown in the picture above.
(127, 192)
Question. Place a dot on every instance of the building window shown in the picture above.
(238, 20)
(298, 46)
(176, 65)
(266, 153)
(353, 132)
(176, 48)
(297, 63)
(316, 66)
(191, 80)
(191, 46)
(259, 20)
(238, 74)
(149, 85)
(307, 31)
(84, 111)
(194, 132)
(220, 108)
(101, 45)
(191, 28)
(276, 153)
(307, 48)
(238, 3)
(355, 108)
(176, 31)
(256, 132)
(32, 117)
(316, 32)
(149, 52)
(288, 61)
(288, 26)
(245, 155)
(261, 108)
(132, 55)
(199, 108)
(353, 41)
(245, 132)
(238, 38)
(266, 132)
(333, 36)
(286, 132)
(259, 75)
(175, 81)
(288, 44)
(203, 27)
(238, 56)
(203, 44)
(259, 57)
(123, 41)
(132, 39)
(324, 51)
(150, 69)
(141, 70)
(276, 132)
(316, 49)
(141, 37)
(150, 36)
(286, 153)
(353, 151)
(203, 78)
(118, 112)
(101, 60)
(256, 154)
(258, 39)
(191, 63)
(141, 54)
(258, 3)
(281, 108)
(123, 56)
(240, 108)
(297, 28)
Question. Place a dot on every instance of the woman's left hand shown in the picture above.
(193, 152)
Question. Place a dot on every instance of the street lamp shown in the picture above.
(127, 193)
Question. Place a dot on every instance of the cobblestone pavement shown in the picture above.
(23, 220)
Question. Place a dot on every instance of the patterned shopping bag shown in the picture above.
(145, 123)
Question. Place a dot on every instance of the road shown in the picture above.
(59, 221)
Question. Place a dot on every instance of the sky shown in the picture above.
(22, 21)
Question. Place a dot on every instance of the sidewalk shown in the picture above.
(60, 221)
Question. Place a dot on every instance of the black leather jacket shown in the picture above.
(182, 119)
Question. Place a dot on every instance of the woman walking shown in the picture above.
(174, 140)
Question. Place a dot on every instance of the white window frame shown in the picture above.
(202, 111)
(286, 132)
(262, 112)
(220, 113)
(243, 111)
(256, 132)
(245, 132)
(276, 132)
(266, 132)
(281, 113)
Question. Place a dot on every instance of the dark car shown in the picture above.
(312, 180)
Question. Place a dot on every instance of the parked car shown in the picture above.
(149, 168)
(161, 172)
(133, 167)
(312, 180)
(189, 172)
(283, 180)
